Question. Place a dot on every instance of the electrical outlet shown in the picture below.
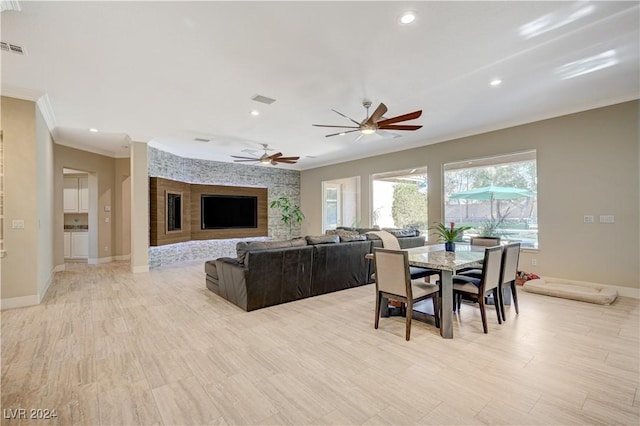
(534, 262)
(588, 219)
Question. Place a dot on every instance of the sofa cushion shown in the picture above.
(342, 232)
(243, 247)
(350, 238)
(322, 239)
(399, 233)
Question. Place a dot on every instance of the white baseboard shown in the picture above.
(18, 302)
(622, 291)
(43, 291)
(141, 268)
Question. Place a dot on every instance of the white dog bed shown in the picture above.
(575, 290)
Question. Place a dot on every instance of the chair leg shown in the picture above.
(497, 301)
(459, 301)
(408, 316)
(378, 300)
(436, 309)
(515, 296)
(482, 312)
(501, 294)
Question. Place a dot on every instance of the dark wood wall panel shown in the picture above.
(158, 234)
(211, 234)
(158, 189)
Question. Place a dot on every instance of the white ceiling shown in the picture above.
(169, 72)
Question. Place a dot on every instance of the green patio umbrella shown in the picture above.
(491, 193)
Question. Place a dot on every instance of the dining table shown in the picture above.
(447, 262)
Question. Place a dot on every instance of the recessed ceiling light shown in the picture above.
(93, 130)
(407, 18)
(495, 82)
(255, 112)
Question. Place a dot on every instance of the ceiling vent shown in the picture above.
(13, 48)
(263, 99)
(202, 140)
(10, 5)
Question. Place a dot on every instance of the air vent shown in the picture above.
(13, 48)
(263, 99)
(202, 140)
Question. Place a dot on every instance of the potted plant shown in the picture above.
(449, 235)
(290, 212)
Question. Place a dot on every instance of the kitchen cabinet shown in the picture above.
(67, 244)
(76, 195)
(76, 244)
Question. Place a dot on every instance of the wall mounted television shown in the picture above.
(228, 211)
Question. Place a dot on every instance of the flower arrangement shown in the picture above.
(450, 234)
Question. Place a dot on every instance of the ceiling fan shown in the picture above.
(371, 124)
(273, 159)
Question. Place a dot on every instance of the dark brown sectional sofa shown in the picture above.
(267, 273)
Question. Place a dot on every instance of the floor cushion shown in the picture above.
(575, 290)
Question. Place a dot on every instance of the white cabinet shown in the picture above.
(76, 245)
(76, 195)
(67, 244)
(80, 244)
(83, 195)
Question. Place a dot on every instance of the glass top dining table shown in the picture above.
(435, 257)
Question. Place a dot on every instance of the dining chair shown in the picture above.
(477, 289)
(510, 259)
(482, 242)
(393, 281)
(485, 241)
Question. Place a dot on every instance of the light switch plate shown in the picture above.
(107, 208)
(588, 219)
(17, 224)
(607, 218)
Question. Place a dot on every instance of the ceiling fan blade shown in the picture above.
(348, 118)
(399, 127)
(410, 116)
(287, 158)
(340, 133)
(340, 127)
(379, 112)
(241, 161)
(276, 155)
(246, 158)
(285, 161)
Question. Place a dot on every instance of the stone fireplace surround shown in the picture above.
(279, 183)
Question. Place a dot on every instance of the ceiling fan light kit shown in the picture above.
(371, 124)
(265, 158)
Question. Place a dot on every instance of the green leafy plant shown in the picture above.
(291, 213)
(449, 234)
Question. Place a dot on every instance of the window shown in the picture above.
(341, 203)
(400, 199)
(496, 196)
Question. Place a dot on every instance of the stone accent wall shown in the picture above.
(279, 182)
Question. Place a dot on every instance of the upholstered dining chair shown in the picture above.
(477, 289)
(485, 241)
(482, 242)
(510, 258)
(393, 281)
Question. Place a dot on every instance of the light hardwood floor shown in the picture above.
(111, 347)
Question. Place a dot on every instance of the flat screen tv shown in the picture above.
(228, 211)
